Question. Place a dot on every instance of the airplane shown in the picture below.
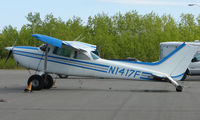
(75, 58)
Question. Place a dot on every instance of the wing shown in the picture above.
(80, 46)
(48, 40)
(75, 45)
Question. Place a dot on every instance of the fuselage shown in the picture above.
(86, 64)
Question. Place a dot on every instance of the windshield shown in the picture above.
(94, 56)
(96, 52)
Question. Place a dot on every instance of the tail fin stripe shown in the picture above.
(178, 75)
(172, 53)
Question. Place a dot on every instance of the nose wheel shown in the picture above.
(39, 82)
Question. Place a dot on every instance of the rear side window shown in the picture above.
(62, 52)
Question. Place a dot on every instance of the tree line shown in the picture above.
(118, 36)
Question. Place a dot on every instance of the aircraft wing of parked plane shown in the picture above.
(82, 59)
(75, 45)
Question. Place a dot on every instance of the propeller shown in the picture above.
(9, 54)
(10, 51)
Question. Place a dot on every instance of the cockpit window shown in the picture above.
(94, 56)
(62, 52)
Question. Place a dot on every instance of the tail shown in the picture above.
(177, 62)
(173, 66)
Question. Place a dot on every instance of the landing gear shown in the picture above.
(39, 82)
(179, 88)
(44, 81)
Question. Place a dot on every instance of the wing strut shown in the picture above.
(45, 62)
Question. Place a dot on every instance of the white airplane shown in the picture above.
(81, 59)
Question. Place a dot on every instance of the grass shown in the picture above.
(11, 64)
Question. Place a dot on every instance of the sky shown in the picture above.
(13, 12)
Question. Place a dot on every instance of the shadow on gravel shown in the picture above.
(112, 90)
(12, 90)
(21, 90)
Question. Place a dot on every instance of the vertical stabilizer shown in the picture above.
(177, 62)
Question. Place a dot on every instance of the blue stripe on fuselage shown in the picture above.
(40, 58)
(27, 47)
(177, 76)
(73, 60)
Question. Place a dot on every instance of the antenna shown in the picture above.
(76, 39)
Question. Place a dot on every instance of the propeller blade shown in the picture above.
(10, 51)
(9, 54)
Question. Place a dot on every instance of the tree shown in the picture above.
(117, 36)
(34, 26)
(8, 37)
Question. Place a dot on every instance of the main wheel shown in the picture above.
(37, 82)
(48, 83)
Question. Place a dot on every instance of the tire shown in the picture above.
(37, 82)
(48, 83)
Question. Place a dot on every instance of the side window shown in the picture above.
(62, 52)
(78, 55)
(82, 56)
